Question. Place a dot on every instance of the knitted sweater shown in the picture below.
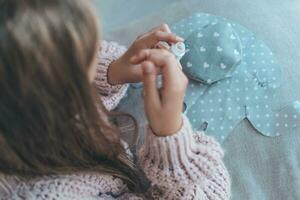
(187, 165)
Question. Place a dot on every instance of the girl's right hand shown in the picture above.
(163, 106)
(122, 71)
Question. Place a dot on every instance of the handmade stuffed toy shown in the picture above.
(233, 76)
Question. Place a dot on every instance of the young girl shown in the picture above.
(56, 137)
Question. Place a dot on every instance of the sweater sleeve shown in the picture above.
(185, 166)
(109, 94)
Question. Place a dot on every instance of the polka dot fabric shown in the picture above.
(249, 91)
(214, 52)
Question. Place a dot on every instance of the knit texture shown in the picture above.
(110, 94)
(187, 165)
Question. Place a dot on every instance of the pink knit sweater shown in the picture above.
(187, 165)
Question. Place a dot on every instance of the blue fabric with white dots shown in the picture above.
(214, 51)
(220, 102)
(245, 91)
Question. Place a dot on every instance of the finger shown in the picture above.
(163, 27)
(144, 54)
(159, 57)
(140, 56)
(174, 81)
(163, 60)
(151, 40)
(163, 45)
(158, 36)
(151, 94)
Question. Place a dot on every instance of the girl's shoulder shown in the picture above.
(83, 185)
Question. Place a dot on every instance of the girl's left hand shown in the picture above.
(122, 71)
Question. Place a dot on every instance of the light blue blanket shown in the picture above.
(262, 168)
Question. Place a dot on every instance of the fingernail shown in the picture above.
(163, 45)
(180, 39)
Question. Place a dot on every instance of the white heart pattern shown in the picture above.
(188, 64)
(216, 34)
(219, 49)
(223, 66)
(199, 35)
(202, 49)
(236, 52)
(205, 65)
(232, 37)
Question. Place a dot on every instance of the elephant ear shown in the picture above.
(214, 53)
(274, 123)
(231, 71)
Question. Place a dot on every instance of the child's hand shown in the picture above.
(163, 106)
(122, 71)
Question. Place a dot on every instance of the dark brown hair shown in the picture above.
(49, 121)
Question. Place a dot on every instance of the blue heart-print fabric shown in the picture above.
(244, 90)
(214, 51)
(248, 93)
